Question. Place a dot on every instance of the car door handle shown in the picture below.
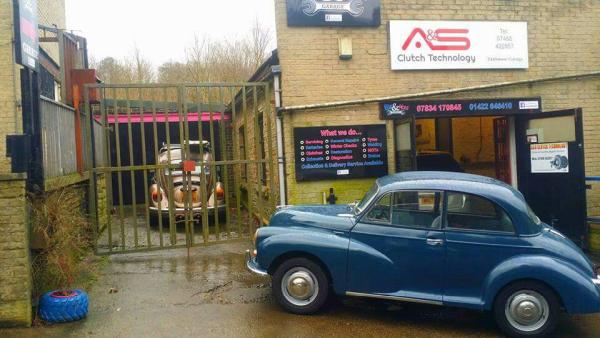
(339, 233)
(435, 241)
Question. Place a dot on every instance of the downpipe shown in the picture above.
(279, 130)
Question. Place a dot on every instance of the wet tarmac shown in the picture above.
(210, 294)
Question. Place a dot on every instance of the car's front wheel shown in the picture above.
(300, 286)
(527, 309)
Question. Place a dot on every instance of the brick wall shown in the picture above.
(52, 13)
(15, 273)
(252, 182)
(10, 113)
(561, 42)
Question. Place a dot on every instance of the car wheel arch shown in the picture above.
(297, 254)
(524, 280)
(558, 276)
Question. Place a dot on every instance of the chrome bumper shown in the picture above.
(253, 266)
(182, 211)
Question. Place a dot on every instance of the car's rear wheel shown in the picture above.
(300, 286)
(527, 309)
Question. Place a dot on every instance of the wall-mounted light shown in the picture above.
(345, 48)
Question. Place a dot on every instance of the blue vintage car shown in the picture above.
(429, 237)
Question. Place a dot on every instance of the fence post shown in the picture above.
(93, 215)
(78, 136)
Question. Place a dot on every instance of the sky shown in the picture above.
(161, 29)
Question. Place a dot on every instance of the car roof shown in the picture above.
(425, 177)
(501, 193)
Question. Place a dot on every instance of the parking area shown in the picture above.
(210, 294)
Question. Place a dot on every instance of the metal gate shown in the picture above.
(179, 165)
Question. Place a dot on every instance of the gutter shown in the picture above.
(439, 92)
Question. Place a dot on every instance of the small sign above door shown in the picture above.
(450, 108)
(547, 158)
(345, 13)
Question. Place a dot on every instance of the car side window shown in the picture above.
(419, 209)
(380, 212)
(472, 212)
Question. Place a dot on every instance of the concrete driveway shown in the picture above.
(210, 294)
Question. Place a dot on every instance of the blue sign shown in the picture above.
(448, 108)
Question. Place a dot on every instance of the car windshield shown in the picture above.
(366, 200)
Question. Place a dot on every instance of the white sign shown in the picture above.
(418, 44)
(550, 157)
(529, 105)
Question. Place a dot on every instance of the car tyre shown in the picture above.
(300, 286)
(63, 306)
(527, 309)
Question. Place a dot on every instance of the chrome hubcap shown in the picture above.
(527, 310)
(299, 286)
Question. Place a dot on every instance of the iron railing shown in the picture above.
(137, 121)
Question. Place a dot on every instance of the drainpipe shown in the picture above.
(279, 124)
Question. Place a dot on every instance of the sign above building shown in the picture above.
(26, 33)
(447, 108)
(351, 13)
(324, 153)
(418, 45)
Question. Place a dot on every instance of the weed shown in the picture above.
(63, 259)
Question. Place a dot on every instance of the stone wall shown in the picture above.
(15, 279)
(10, 111)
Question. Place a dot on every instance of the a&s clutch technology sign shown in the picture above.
(416, 44)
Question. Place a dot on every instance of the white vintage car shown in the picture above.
(168, 189)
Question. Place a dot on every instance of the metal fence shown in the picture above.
(158, 199)
(58, 138)
(99, 151)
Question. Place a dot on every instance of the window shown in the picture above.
(380, 212)
(420, 209)
(471, 212)
(242, 150)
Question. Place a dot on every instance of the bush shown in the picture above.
(65, 234)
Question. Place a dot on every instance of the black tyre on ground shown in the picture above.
(300, 286)
(527, 309)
